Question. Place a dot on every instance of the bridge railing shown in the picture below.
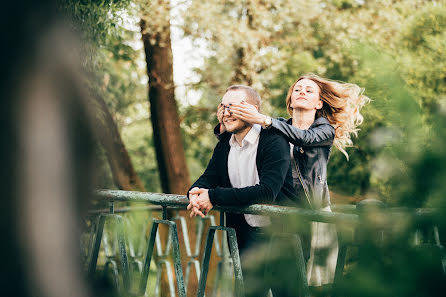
(348, 219)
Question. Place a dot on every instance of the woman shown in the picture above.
(324, 113)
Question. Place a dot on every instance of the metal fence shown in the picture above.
(347, 218)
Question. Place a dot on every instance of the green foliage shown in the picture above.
(95, 21)
(112, 47)
(124, 86)
(198, 126)
(424, 41)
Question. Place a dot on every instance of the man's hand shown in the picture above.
(202, 202)
(192, 198)
(193, 206)
(195, 209)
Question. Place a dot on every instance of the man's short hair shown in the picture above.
(251, 95)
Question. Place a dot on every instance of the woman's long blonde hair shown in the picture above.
(342, 103)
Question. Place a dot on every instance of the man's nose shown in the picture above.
(226, 112)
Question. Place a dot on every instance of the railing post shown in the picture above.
(164, 212)
(93, 253)
(93, 258)
(176, 256)
(238, 275)
(112, 207)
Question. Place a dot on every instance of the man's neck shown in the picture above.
(303, 119)
(239, 136)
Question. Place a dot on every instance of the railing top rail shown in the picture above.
(181, 202)
(343, 214)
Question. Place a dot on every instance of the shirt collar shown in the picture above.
(251, 137)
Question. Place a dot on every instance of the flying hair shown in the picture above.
(342, 103)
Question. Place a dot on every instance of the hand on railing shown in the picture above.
(199, 202)
(193, 205)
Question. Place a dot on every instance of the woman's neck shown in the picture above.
(303, 119)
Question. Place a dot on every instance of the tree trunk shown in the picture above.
(124, 174)
(169, 149)
(155, 28)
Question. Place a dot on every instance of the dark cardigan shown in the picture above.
(273, 165)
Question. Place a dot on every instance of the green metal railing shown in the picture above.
(342, 216)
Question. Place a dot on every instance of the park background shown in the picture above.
(151, 75)
(162, 67)
(162, 143)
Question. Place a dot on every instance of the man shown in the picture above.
(249, 165)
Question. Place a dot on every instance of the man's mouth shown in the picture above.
(229, 120)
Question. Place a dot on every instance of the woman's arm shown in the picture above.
(248, 113)
(320, 134)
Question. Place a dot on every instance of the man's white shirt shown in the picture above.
(242, 168)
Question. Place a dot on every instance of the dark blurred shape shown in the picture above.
(46, 153)
(398, 255)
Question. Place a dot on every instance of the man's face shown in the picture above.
(231, 123)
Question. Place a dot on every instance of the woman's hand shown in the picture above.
(248, 113)
(220, 112)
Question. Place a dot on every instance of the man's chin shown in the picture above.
(230, 128)
(236, 128)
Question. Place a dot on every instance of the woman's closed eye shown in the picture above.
(308, 91)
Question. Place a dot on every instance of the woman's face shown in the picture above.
(306, 95)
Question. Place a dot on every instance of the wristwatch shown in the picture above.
(267, 122)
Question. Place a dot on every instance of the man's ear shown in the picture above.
(257, 107)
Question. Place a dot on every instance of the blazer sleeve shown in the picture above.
(274, 164)
(320, 135)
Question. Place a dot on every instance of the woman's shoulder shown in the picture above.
(320, 121)
(317, 121)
